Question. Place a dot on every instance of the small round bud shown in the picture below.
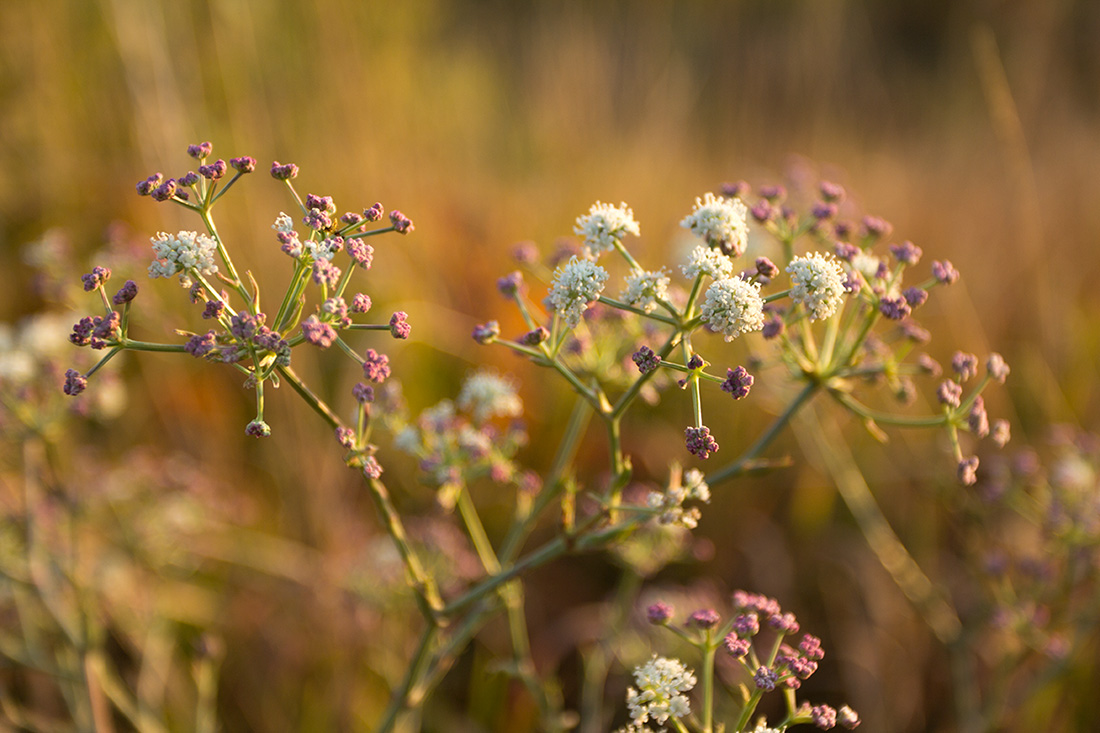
(244, 164)
(659, 613)
(257, 429)
(283, 172)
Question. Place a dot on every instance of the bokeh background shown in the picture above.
(973, 126)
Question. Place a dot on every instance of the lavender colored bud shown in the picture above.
(949, 393)
(876, 227)
(245, 325)
(324, 203)
(399, 325)
(213, 171)
(978, 419)
(746, 625)
(361, 252)
(535, 337)
(646, 359)
(659, 613)
(894, 308)
(704, 618)
(773, 192)
(735, 190)
(375, 212)
(831, 192)
(823, 210)
(929, 366)
(486, 333)
(853, 281)
(998, 369)
(320, 334)
(737, 648)
(1001, 432)
(82, 331)
(317, 220)
(257, 429)
(364, 393)
(200, 345)
(738, 382)
(695, 362)
(846, 251)
(146, 187)
(965, 365)
(345, 437)
(699, 441)
(201, 150)
(968, 471)
(96, 278)
(944, 272)
(213, 309)
(785, 623)
(823, 716)
(765, 679)
(906, 252)
(190, 178)
(762, 211)
(282, 172)
(244, 164)
(810, 646)
(105, 328)
(75, 383)
(360, 303)
(376, 367)
(325, 273)
(511, 284)
(164, 191)
(848, 718)
(401, 223)
(351, 218)
(766, 268)
(372, 468)
(915, 297)
(915, 332)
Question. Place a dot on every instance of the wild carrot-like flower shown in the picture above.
(733, 306)
(604, 225)
(968, 471)
(183, 253)
(576, 284)
(818, 284)
(661, 683)
(644, 289)
(720, 222)
(485, 394)
(965, 365)
(708, 261)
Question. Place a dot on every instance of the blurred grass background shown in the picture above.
(973, 126)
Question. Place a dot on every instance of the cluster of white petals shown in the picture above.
(721, 222)
(818, 284)
(661, 683)
(670, 504)
(644, 289)
(576, 284)
(733, 306)
(183, 253)
(604, 225)
(486, 394)
(709, 262)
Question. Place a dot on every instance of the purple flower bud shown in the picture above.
(190, 178)
(525, 252)
(245, 325)
(200, 151)
(704, 618)
(200, 345)
(773, 192)
(949, 393)
(361, 252)
(736, 190)
(322, 203)
(351, 218)
(283, 172)
(843, 230)
(371, 468)
(376, 367)
(929, 366)
(317, 220)
(96, 278)
(150, 184)
(511, 284)
(766, 268)
(894, 308)
(915, 297)
(82, 331)
(968, 471)
(213, 309)
(244, 164)
(875, 227)
(765, 679)
(964, 364)
(375, 212)
(75, 383)
(360, 303)
(738, 382)
(746, 625)
(345, 437)
(831, 192)
(326, 273)
(1001, 432)
(846, 251)
(738, 648)
(978, 420)
(811, 647)
(646, 359)
(318, 333)
(164, 191)
(106, 328)
(823, 716)
(762, 211)
(915, 332)
(535, 337)
(998, 369)
(486, 333)
(364, 393)
(944, 272)
(659, 613)
(823, 210)
(695, 362)
(773, 327)
(906, 252)
(784, 622)
(399, 325)
(213, 171)
(401, 223)
(699, 442)
(257, 429)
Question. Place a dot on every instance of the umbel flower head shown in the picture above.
(183, 253)
(733, 306)
(818, 284)
(576, 284)
(644, 289)
(720, 222)
(661, 683)
(604, 225)
(709, 262)
(486, 394)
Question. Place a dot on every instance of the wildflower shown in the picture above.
(929, 366)
(737, 189)
(704, 618)
(201, 150)
(372, 468)
(1001, 432)
(766, 268)
(659, 613)
(317, 220)
(164, 191)
(762, 211)
(773, 327)
(765, 679)
(746, 625)
(486, 394)
(785, 623)
(361, 252)
(345, 437)
(965, 365)
(150, 184)
(401, 223)
(375, 212)
(944, 272)
(360, 303)
(283, 172)
(325, 273)
(875, 227)
(737, 647)
(646, 360)
(738, 382)
(818, 284)
(213, 309)
(75, 383)
(257, 429)
(831, 192)
(915, 297)
(105, 328)
(915, 332)
(998, 369)
(535, 336)
(733, 306)
(318, 333)
(82, 331)
(376, 367)
(486, 333)
(399, 325)
(96, 278)
(283, 223)
(183, 253)
(200, 344)
(823, 716)
(245, 325)
(337, 308)
(511, 284)
(709, 262)
(605, 225)
(978, 420)
(846, 251)
(576, 284)
(774, 192)
(213, 171)
(823, 210)
(126, 293)
(949, 393)
(968, 471)
(243, 164)
(894, 308)
(644, 289)
(906, 252)
(699, 442)
(363, 393)
(661, 682)
(720, 222)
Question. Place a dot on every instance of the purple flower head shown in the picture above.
(325, 273)
(802, 667)
(929, 366)
(746, 625)
(511, 284)
(190, 178)
(270, 340)
(213, 309)
(773, 192)
(944, 272)
(164, 191)
(283, 172)
(317, 220)
(200, 345)
(968, 471)
(766, 268)
(831, 192)
(338, 309)
(915, 297)
(399, 325)
(915, 332)
(846, 251)
(964, 364)
(257, 429)
(695, 362)
(876, 227)
(351, 218)
(699, 442)
(360, 303)
(762, 211)
(364, 393)
(735, 190)
(82, 331)
(853, 281)
(244, 325)
(978, 419)
(213, 171)
(105, 328)
(535, 337)
(345, 437)
(150, 184)
(906, 252)
(375, 212)
(1001, 432)
(372, 468)
(486, 333)
(823, 210)
(848, 718)
(401, 223)
(949, 393)
(773, 327)
(96, 278)
(765, 679)
(894, 308)
(998, 369)
(361, 252)
(784, 622)
(318, 333)
(200, 151)
(291, 245)
(75, 383)
(704, 618)
(659, 613)
(810, 646)
(823, 716)
(322, 203)
(376, 367)
(646, 359)
(738, 382)
(738, 648)
(244, 164)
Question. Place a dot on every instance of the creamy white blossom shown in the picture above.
(283, 223)
(733, 306)
(708, 261)
(661, 683)
(486, 394)
(865, 264)
(576, 284)
(688, 487)
(721, 222)
(818, 284)
(183, 253)
(604, 225)
(644, 289)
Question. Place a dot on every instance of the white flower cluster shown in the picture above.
(576, 284)
(644, 289)
(721, 222)
(604, 225)
(733, 306)
(486, 394)
(708, 261)
(323, 250)
(661, 682)
(283, 223)
(691, 487)
(818, 284)
(184, 252)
